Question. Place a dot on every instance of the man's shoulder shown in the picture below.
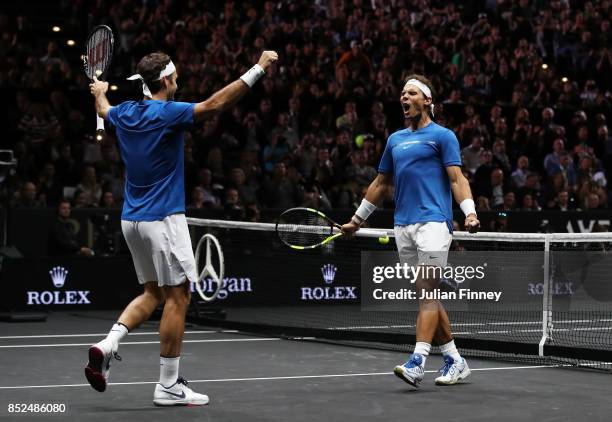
(443, 134)
(437, 128)
(123, 108)
(126, 104)
(399, 134)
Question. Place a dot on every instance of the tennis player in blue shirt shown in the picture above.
(150, 134)
(423, 162)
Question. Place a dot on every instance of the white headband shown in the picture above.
(424, 89)
(167, 71)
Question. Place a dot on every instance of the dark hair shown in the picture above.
(423, 79)
(150, 66)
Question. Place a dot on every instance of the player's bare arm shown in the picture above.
(376, 191)
(230, 94)
(98, 89)
(461, 191)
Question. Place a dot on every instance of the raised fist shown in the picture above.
(267, 58)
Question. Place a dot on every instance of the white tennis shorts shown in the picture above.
(161, 250)
(423, 243)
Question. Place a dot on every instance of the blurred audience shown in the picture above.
(522, 83)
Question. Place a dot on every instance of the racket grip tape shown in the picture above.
(99, 123)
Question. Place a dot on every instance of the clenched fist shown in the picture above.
(266, 59)
(472, 224)
(98, 87)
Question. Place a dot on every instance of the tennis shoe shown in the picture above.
(98, 368)
(453, 371)
(412, 371)
(178, 394)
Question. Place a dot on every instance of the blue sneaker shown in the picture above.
(453, 371)
(412, 371)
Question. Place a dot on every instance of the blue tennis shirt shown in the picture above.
(151, 141)
(418, 160)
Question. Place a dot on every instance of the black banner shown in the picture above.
(68, 283)
(111, 283)
(260, 270)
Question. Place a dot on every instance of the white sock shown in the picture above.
(117, 333)
(168, 370)
(449, 349)
(422, 349)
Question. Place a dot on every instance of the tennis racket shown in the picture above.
(306, 228)
(97, 59)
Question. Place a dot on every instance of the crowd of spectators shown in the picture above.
(523, 83)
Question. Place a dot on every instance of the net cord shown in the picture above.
(458, 235)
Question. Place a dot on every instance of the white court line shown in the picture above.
(293, 377)
(147, 333)
(223, 340)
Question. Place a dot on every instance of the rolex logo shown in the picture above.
(326, 293)
(58, 276)
(329, 273)
(56, 297)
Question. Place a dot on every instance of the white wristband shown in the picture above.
(365, 209)
(356, 220)
(252, 75)
(468, 207)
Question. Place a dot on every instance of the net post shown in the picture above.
(546, 298)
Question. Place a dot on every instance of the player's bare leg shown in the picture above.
(172, 324)
(443, 332)
(172, 389)
(140, 309)
(428, 318)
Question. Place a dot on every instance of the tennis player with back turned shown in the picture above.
(424, 163)
(150, 133)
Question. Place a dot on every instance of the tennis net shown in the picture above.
(558, 306)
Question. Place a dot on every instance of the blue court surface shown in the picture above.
(259, 378)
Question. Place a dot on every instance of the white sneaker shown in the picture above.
(98, 368)
(178, 394)
(412, 371)
(453, 371)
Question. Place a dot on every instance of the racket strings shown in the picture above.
(99, 52)
(303, 228)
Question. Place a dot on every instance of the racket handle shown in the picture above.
(99, 124)
(373, 233)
